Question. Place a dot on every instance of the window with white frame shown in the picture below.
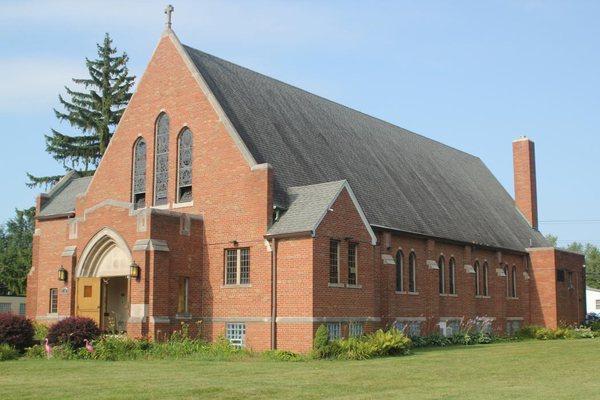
(452, 327)
(53, 303)
(352, 263)
(22, 309)
(334, 261)
(355, 329)
(410, 328)
(237, 266)
(5, 308)
(570, 279)
(335, 330)
(597, 304)
(513, 280)
(513, 326)
(236, 334)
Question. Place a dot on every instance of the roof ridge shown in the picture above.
(330, 101)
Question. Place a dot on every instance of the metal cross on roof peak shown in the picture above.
(169, 11)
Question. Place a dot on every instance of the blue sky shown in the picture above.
(474, 75)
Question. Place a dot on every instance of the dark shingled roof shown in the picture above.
(61, 199)
(402, 180)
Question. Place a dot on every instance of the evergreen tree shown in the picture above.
(94, 112)
(15, 251)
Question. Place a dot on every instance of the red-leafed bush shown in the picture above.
(16, 331)
(73, 331)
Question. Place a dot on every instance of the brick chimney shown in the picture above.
(525, 181)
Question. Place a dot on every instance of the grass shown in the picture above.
(559, 369)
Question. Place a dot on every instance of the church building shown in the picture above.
(254, 210)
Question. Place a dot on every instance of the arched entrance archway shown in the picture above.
(102, 280)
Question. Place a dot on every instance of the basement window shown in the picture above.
(335, 330)
(236, 334)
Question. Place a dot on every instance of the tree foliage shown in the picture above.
(94, 112)
(15, 251)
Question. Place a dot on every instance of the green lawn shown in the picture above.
(559, 369)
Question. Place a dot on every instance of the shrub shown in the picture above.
(583, 333)
(282, 355)
(528, 332)
(595, 326)
(36, 351)
(73, 331)
(40, 331)
(545, 334)
(16, 331)
(321, 347)
(378, 344)
(8, 352)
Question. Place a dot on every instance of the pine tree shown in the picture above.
(15, 251)
(95, 112)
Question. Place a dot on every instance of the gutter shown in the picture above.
(55, 216)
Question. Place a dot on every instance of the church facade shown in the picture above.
(253, 210)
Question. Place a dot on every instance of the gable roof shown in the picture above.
(61, 198)
(403, 181)
(308, 205)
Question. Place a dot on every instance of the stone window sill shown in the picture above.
(241, 286)
(183, 205)
(349, 286)
(512, 298)
(335, 285)
(448, 295)
(400, 292)
(413, 293)
(183, 316)
(483, 297)
(162, 207)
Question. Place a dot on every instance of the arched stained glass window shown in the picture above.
(139, 174)
(161, 167)
(441, 275)
(399, 271)
(184, 171)
(452, 276)
(412, 273)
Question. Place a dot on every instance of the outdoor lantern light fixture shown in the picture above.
(134, 270)
(62, 274)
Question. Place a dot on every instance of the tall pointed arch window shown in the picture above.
(412, 272)
(139, 174)
(442, 275)
(184, 169)
(399, 271)
(477, 279)
(486, 274)
(514, 281)
(161, 162)
(452, 276)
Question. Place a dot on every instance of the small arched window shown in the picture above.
(412, 272)
(139, 174)
(399, 271)
(507, 277)
(514, 281)
(477, 279)
(184, 170)
(485, 279)
(452, 276)
(161, 161)
(441, 275)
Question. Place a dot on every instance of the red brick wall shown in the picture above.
(525, 179)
